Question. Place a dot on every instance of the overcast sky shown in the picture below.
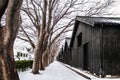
(116, 9)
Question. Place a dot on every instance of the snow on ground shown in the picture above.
(55, 71)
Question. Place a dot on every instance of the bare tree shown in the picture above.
(52, 18)
(7, 36)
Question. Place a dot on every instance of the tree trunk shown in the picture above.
(35, 66)
(7, 64)
(40, 48)
(37, 63)
(3, 6)
(3, 61)
(7, 37)
(45, 59)
(46, 54)
(39, 52)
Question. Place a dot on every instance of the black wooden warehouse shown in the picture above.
(95, 45)
(64, 54)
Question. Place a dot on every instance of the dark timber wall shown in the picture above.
(111, 49)
(90, 38)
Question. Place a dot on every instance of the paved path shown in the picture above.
(55, 71)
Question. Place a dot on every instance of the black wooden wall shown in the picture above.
(91, 38)
(111, 49)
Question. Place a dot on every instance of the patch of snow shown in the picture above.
(55, 71)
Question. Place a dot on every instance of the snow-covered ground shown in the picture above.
(55, 71)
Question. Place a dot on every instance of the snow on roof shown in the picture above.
(93, 20)
(108, 20)
(21, 49)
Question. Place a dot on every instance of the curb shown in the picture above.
(78, 73)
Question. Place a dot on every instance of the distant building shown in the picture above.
(22, 53)
(64, 54)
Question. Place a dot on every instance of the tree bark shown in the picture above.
(3, 6)
(8, 34)
(36, 62)
(39, 49)
(46, 58)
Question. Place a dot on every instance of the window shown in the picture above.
(18, 54)
(24, 55)
(21, 54)
(79, 39)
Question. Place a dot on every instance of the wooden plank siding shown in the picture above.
(111, 49)
(90, 35)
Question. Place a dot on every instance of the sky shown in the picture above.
(116, 9)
